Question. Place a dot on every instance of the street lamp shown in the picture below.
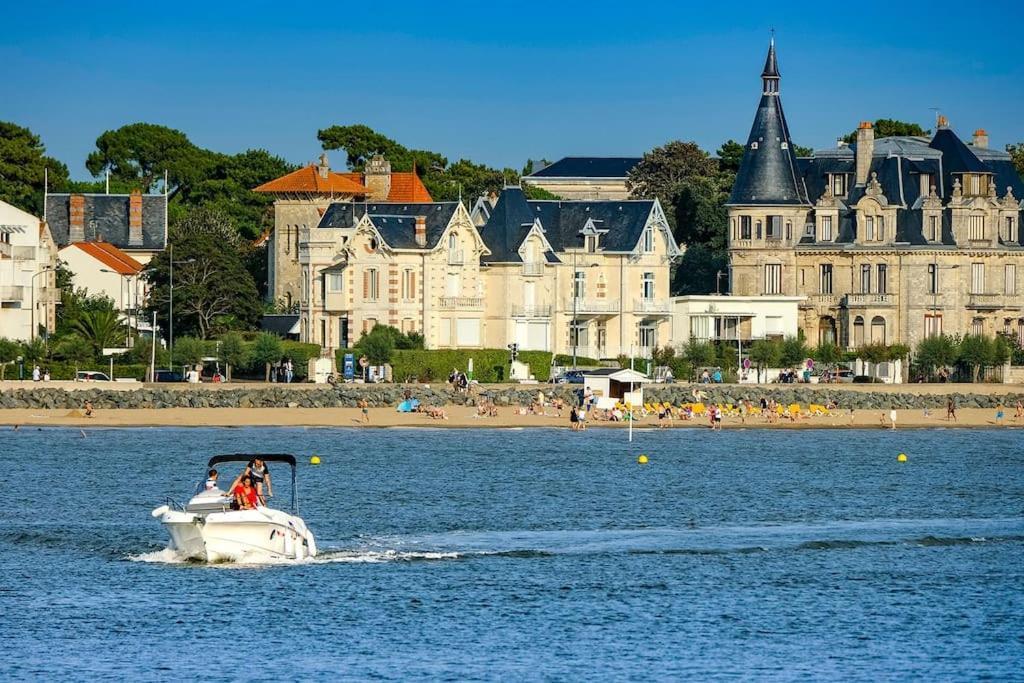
(32, 301)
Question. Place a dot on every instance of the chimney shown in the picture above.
(421, 231)
(323, 168)
(378, 178)
(135, 219)
(76, 218)
(865, 150)
(981, 139)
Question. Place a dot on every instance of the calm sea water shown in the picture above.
(470, 554)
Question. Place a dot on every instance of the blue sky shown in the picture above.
(500, 83)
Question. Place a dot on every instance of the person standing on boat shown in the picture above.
(257, 469)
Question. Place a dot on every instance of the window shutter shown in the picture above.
(366, 285)
(412, 285)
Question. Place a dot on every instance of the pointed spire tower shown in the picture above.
(768, 173)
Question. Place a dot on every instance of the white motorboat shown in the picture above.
(210, 530)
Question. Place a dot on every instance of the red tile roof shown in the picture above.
(407, 187)
(308, 179)
(110, 256)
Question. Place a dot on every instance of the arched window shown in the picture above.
(858, 331)
(878, 330)
(453, 242)
(826, 330)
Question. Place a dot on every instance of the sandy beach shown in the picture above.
(465, 417)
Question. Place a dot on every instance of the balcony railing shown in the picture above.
(533, 269)
(866, 300)
(582, 305)
(456, 257)
(531, 311)
(12, 293)
(822, 300)
(986, 300)
(652, 306)
(23, 253)
(462, 302)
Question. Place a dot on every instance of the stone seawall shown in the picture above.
(382, 395)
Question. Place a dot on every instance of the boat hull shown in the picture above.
(237, 535)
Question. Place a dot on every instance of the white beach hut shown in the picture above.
(610, 385)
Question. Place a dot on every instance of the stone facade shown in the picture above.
(889, 240)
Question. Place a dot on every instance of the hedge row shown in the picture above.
(489, 365)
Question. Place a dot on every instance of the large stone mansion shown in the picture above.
(889, 239)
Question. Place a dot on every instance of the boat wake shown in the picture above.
(691, 540)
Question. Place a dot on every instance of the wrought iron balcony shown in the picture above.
(531, 311)
(652, 306)
(533, 269)
(583, 306)
(869, 300)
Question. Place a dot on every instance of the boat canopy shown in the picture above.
(265, 457)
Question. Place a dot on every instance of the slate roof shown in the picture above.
(106, 219)
(281, 324)
(395, 222)
(621, 224)
(588, 167)
(768, 172)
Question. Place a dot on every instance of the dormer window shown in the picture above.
(774, 228)
(1011, 229)
(933, 229)
(926, 184)
(837, 181)
(977, 228)
(753, 145)
(591, 244)
(974, 183)
(648, 241)
(869, 228)
(826, 228)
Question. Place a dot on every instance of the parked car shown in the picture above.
(169, 376)
(570, 377)
(91, 376)
(844, 375)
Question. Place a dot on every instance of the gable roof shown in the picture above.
(620, 222)
(309, 180)
(588, 167)
(395, 222)
(110, 256)
(106, 219)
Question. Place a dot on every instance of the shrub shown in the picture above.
(266, 349)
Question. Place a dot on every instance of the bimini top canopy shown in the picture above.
(247, 457)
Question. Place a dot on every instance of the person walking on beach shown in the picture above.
(951, 409)
(35, 374)
(364, 406)
(892, 418)
(999, 414)
(1020, 411)
(574, 419)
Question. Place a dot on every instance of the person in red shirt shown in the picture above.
(245, 495)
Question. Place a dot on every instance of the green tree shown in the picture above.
(976, 352)
(266, 350)
(23, 164)
(139, 153)
(730, 154)
(212, 289)
(228, 189)
(802, 151)
(887, 128)
(698, 271)
(662, 170)
(102, 328)
(827, 354)
(1017, 155)
(34, 351)
(189, 351)
(9, 352)
(873, 354)
(232, 352)
(75, 350)
(764, 354)
(793, 352)
(936, 351)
